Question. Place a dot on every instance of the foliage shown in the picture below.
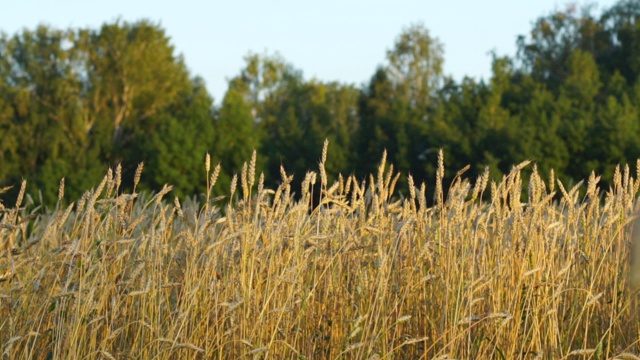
(76, 102)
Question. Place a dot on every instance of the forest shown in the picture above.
(76, 102)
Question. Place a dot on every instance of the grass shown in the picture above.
(364, 275)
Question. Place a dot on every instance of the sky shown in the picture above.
(332, 40)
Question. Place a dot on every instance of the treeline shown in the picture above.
(75, 102)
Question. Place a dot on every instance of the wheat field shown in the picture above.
(496, 270)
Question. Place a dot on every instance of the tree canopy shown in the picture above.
(76, 102)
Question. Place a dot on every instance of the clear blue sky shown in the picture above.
(342, 40)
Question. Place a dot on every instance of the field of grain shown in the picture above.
(486, 272)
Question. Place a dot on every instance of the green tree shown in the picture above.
(236, 133)
(293, 118)
(553, 38)
(175, 150)
(614, 134)
(254, 107)
(137, 90)
(539, 137)
(82, 100)
(498, 131)
(620, 41)
(42, 78)
(415, 66)
(397, 105)
(8, 133)
(133, 74)
(309, 114)
(576, 105)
